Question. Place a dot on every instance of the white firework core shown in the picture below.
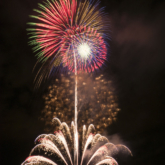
(84, 50)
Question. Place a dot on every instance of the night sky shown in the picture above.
(136, 66)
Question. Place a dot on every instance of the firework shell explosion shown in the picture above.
(66, 28)
(57, 148)
(97, 102)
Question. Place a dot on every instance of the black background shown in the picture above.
(137, 68)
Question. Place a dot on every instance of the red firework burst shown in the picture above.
(65, 28)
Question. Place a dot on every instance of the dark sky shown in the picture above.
(137, 68)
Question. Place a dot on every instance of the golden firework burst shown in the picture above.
(97, 102)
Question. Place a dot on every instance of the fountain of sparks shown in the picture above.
(58, 148)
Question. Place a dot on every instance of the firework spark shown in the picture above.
(66, 27)
(96, 97)
(57, 148)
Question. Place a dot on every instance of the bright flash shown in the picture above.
(84, 50)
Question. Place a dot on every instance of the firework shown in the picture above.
(69, 34)
(56, 149)
(96, 97)
(65, 28)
